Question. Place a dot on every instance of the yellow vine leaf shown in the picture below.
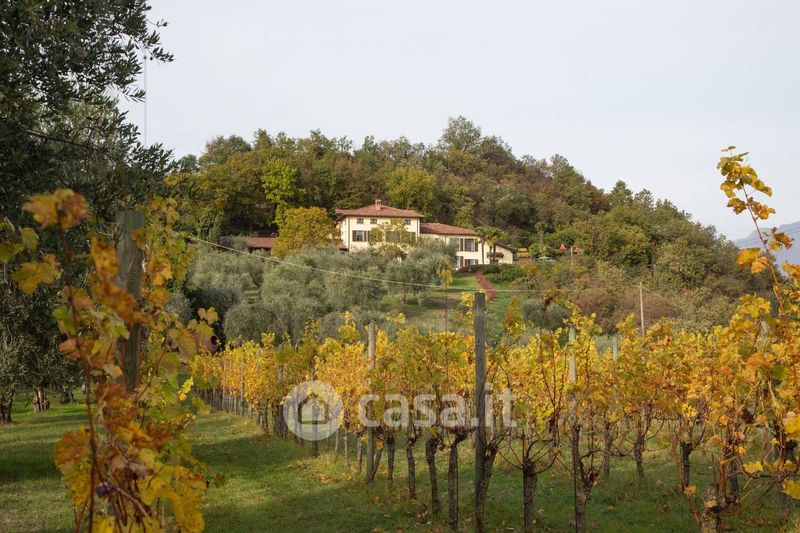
(791, 422)
(759, 264)
(63, 207)
(690, 490)
(783, 239)
(747, 256)
(29, 238)
(33, 273)
(737, 205)
(792, 488)
(8, 250)
(753, 468)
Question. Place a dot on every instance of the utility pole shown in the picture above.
(129, 278)
(370, 430)
(641, 307)
(573, 421)
(479, 326)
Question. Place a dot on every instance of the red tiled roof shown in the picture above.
(443, 229)
(262, 243)
(378, 210)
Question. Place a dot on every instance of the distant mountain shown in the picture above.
(792, 230)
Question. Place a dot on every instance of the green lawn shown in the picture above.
(274, 485)
(432, 311)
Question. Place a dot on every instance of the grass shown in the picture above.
(32, 497)
(274, 485)
(431, 312)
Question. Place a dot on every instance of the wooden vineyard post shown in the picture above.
(479, 326)
(371, 467)
(129, 277)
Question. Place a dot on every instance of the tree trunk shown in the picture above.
(608, 446)
(483, 490)
(314, 436)
(731, 476)
(376, 463)
(529, 480)
(710, 521)
(452, 480)
(786, 502)
(638, 452)
(40, 401)
(686, 450)
(347, 450)
(412, 470)
(6, 403)
(359, 453)
(431, 446)
(66, 397)
(336, 446)
(580, 508)
(390, 448)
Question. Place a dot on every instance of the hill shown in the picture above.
(474, 180)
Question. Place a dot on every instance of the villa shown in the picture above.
(355, 226)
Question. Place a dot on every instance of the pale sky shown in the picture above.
(643, 91)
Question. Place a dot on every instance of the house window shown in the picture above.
(407, 222)
(359, 221)
(470, 262)
(470, 245)
(360, 235)
(373, 221)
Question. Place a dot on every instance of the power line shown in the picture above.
(664, 298)
(384, 280)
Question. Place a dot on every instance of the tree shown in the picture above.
(412, 188)
(460, 134)
(304, 226)
(223, 280)
(61, 63)
(280, 186)
(220, 149)
(491, 236)
(46, 82)
(392, 239)
(419, 269)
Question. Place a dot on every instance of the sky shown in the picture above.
(642, 91)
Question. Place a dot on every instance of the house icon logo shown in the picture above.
(312, 410)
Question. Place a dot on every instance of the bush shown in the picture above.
(544, 315)
(247, 322)
(505, 274)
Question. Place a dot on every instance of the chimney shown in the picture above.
(377, 204)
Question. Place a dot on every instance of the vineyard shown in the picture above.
(716, 408)
(308, 331)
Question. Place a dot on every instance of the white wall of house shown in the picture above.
(363, 225)
(355, 235)
(507, 259)
(468, 248)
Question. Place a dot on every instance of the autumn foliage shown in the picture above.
(729, 394)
